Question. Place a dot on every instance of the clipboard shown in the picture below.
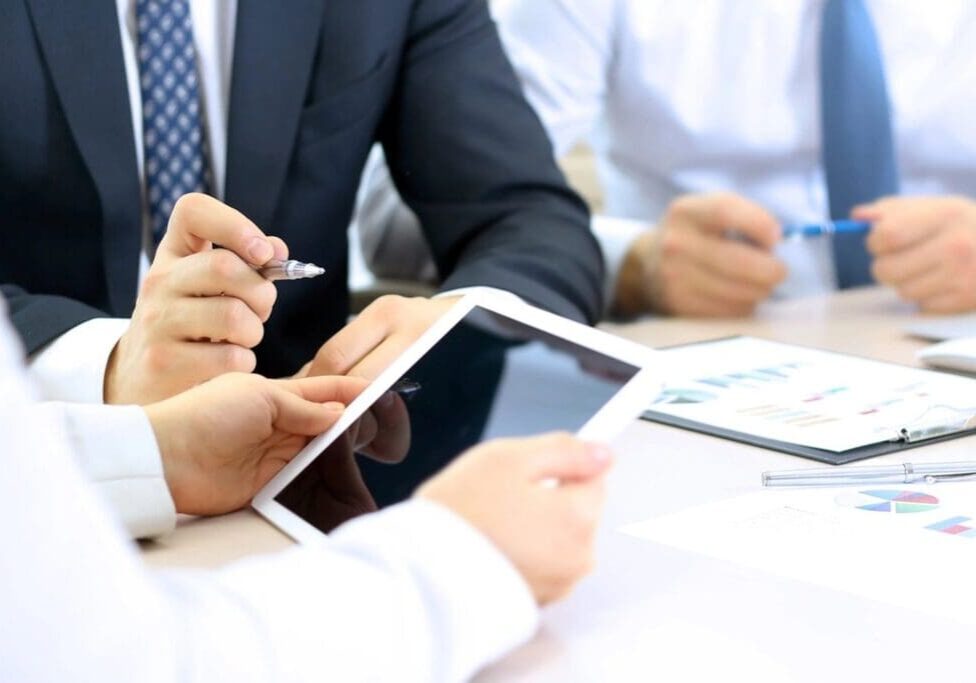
(832, 457)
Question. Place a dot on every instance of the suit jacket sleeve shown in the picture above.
(39, 319)
(471, 158)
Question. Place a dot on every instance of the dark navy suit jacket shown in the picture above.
(314, 84)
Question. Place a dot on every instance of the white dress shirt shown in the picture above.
(706, 95)
(413, 593)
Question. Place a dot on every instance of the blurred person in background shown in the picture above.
(716, 123)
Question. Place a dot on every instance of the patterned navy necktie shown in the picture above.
(858, 152)
(174, 142)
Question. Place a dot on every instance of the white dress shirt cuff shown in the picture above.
(117, 450)
(484, 605)
(72, 367)
(615, 236)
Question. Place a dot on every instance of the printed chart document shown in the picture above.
(914, 547)
(807, 397)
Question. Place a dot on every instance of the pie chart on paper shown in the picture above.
(891, 501)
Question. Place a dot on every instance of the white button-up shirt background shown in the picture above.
(706, 95)
(413, 593)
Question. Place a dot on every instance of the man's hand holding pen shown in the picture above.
(200, 309)
(688, 266)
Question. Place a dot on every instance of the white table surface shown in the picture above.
(650, 612)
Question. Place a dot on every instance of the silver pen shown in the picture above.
(290, 270)
(905, 473)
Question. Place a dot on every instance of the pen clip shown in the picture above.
(961, 476)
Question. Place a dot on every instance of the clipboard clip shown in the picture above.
(947, 420)
(936, 478)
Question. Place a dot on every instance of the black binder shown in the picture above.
(821, 455)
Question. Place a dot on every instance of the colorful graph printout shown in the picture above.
(807, 397)
(892, 501)
(922, 561)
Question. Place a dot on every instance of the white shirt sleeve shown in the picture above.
(615, 236)
(409, 594)
(390, 238)
(72, 367)
(562, 51)
(116, 449)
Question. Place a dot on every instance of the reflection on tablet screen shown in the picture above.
(490, 376)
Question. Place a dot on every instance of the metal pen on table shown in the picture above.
(290, 270)
(904, 473)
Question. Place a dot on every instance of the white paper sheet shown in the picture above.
(910, 546)
(806, 396)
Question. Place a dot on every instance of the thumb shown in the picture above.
(199, 221)
(280, 248)
(295, 415)
(722, 212)
(323, 388)
(565, 458)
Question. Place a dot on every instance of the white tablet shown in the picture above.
(491, 367)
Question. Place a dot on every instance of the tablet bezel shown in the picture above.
(622, 409)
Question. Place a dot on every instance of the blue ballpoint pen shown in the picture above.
(796, 230)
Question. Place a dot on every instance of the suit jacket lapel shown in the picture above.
(274, 46)
(81, 44)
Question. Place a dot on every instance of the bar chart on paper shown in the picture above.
(792, 394)
(891, 501)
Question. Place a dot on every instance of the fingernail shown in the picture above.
(599, 452)
(259, 250)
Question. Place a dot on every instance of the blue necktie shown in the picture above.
(858, 153)
(173, 138)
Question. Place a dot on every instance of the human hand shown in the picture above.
(331, 490)
(200, 309)
(925, 247)
(222, 441)
(367, 345)
(689, 266)
(501, 488)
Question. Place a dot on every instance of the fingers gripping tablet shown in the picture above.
(489, 368)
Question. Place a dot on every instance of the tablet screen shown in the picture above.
(489, 376)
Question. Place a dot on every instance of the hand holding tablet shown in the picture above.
(487, 368)
(546, 532)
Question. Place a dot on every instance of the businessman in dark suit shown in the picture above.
(293, 96)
